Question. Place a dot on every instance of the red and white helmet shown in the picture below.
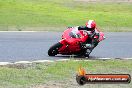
(91, 24)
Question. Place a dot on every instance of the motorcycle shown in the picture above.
(73, 42)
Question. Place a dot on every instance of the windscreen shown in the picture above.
(74, 35)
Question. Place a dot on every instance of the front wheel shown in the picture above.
(54, 49)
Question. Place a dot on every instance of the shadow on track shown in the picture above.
(75, 57)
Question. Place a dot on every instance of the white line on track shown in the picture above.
(45, 61)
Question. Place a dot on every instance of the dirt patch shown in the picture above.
(69, 83)
(73, 84)
(47, 86)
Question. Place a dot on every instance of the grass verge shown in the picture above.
(61, 74)
(18, 14)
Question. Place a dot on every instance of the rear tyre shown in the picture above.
(54, 49)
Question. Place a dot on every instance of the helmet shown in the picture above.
(91, 24)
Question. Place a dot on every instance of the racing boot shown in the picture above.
(88, 49)
(87, 52)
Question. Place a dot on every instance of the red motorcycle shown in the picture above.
(73, 42)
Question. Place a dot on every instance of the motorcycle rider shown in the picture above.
(92, 30)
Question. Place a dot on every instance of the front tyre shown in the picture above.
(54, 49)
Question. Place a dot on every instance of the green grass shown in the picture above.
(21, 14)
(59, 72)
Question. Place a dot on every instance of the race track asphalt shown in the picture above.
(16, 46)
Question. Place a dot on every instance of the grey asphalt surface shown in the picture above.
(17, 46)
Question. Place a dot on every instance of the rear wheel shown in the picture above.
(54, 49)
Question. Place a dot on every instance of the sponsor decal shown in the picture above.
(83, 78)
